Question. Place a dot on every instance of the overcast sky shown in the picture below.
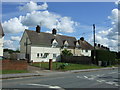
(72, 19)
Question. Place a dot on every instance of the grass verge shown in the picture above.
(69, 66)
(13, 71)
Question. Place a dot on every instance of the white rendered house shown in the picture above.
(1, 40)
(83, 48)
(40, 46)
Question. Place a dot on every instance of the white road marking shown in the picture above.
(48, 86)
(112, 83)
(78, 77)
(85, 77)
(101, 80)
(112, 72)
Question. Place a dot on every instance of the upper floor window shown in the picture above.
(66, 44)
(54, 43)
(77, 45)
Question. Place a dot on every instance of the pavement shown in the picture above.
(49, 72)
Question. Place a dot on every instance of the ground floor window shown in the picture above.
(86, 50)
(37, 54)
(54, 55)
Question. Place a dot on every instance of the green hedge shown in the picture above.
(104, 55)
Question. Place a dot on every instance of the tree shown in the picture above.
(66, 52)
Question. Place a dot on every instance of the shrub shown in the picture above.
(104, 56)
(66, 52)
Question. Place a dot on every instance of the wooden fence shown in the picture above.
(76, 59)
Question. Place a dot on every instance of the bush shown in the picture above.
(66, 52)
(104, 56)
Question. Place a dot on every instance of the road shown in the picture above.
(93, 79)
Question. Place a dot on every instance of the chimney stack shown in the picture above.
(38, 29)
(82, 38)
(95, 44)
(54, 31)
(98, 45)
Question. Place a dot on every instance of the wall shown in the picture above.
(76, 59)
(1, 45)
(22, 44)
(13, 65)
(84, 53)
(43, 50)
(77, 52)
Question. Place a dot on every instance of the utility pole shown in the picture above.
(94, 40)
(94, 34)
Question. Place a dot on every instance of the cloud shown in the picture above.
(15, 38)
(8, 44)
(110, 36)
(45, 18)
(13, 26)
(49, 20)
(117, 2)
(32, 6)
(51, 32)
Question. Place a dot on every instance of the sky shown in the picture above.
(69, 18)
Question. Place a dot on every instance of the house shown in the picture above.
(1, 40)
(101, 47)
(83, 48)
(39, 46)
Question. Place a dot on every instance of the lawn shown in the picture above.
(13, 71)
(69, 66)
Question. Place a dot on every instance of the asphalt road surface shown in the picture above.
(93, 79)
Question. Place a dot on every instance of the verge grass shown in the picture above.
(13, 71)
(69, 66)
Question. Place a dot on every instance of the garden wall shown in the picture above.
(13, 65)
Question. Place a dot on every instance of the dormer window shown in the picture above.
(77, 45)
(54, 43)
(66, 44)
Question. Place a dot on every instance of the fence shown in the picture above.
(13, 65)
(76, 59)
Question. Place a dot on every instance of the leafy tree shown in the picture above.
(66, 52)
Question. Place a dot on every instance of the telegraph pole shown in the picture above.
(94, 34)
(94, 40)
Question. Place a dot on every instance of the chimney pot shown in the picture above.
(38, 29)
(54, 31)
(82, 38)
(95, 44)
(98, 45)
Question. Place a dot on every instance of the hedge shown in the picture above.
(104, 55)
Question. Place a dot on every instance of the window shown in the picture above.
(37, 54)
(66, 44)
(45, 55)
(41, 54)
(86, 50)
(54, 43)
(54, 55)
